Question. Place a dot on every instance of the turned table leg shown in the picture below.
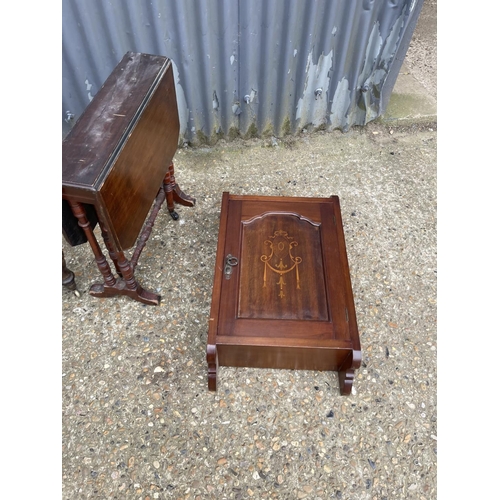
(112, 286)
(68, 277)
(127, 284)
(174, 193)
(169, 194)
(102, 263)
(112, 254)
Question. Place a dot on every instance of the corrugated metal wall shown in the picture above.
(246, 67)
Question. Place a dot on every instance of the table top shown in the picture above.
(89, 147)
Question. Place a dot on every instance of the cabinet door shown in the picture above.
(289, 282)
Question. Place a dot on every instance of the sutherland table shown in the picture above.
(282, 295)
(117, 168)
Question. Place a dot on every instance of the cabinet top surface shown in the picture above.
(106, 121)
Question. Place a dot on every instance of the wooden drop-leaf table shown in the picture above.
(117, 169)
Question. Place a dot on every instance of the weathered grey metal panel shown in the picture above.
(246, 67)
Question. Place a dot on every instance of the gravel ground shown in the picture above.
(138, 420)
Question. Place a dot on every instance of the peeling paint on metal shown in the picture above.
(315, 110)
(236, 108)
(215, 101)
(287, 49)
(378, 59)
(89, 88)
(340, 104)
(181, 102)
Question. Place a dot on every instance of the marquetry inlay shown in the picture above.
(280, 260)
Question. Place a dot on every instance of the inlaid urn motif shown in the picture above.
(280, 259)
